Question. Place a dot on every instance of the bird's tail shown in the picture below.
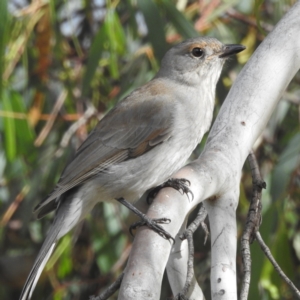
(40, 262)
(57, 230)
(70, 211)
(38, 266)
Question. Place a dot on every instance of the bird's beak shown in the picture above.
(231, 49)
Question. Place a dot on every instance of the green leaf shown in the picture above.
(282, 245)
(184, 27)
(287, 163)
(93, 59)
(9, 129)
(62, 253)
(24, 132)
(270, 280)
(258, 273)
(58, 294)
(104, 263)
(116, 38)
(115, 33)
(155, 26)
(257, 6)
(110, 36)
(220, 10)
(113, 227)
(4, 27)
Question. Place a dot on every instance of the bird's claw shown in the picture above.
(153, 224)
(179, 184)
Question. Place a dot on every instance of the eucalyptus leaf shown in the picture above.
(156, 33)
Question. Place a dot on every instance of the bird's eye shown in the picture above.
(197, 52)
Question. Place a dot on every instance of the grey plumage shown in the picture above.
(140, 143)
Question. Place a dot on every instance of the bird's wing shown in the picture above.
(132, 128)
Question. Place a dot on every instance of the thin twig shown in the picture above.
(14, 205)
(269, 255)
(251, 232)
(110, 290)
(122, 259)
(205, 9)
(91, 110)
(233, 13)
(188, 235)
(42, 117)
(291, 98)
(199, 220)
(45, 131)
(252, 224)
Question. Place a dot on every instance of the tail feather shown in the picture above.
(39, 265)
(71, 209)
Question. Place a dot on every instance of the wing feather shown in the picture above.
(136, 125)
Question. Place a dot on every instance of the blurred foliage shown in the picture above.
(63, 64)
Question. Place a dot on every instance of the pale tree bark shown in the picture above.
(215, 175)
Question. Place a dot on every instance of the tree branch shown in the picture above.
(215, 175)
(252, 224)
(269, 255)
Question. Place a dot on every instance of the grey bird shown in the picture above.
(140, 143)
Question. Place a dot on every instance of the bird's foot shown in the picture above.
(153, 224)
(179, 184)
(146, 221)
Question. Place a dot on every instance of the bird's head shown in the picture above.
(197, 60)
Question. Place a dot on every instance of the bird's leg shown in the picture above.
(179, 184)
(146, 221)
